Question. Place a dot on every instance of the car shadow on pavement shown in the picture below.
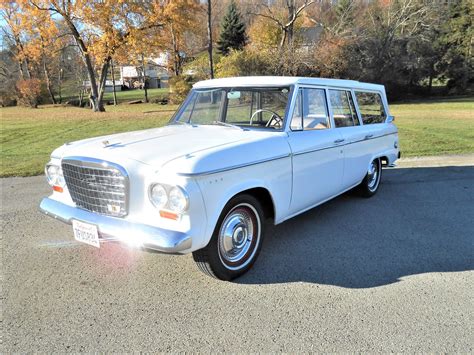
(420, 221)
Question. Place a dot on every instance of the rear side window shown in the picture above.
(343, 108)
(370, 107)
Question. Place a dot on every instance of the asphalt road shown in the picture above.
(392, 273)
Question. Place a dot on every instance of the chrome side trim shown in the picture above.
(307, 151)
(340, 145)
(111, 228)
(233, 167)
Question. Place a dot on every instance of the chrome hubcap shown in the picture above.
(373, 175)
(238, 236)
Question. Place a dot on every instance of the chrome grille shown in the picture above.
(97, 186)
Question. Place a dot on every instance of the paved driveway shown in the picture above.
(391, 273)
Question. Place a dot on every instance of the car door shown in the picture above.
(356, 148)
(317, 155)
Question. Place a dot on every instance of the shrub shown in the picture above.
(29, 92)
(179, 88)
(7, 97)
(198, 68)
(244, 63)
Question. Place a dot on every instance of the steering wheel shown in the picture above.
(275, 117)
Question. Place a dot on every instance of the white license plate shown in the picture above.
(86, 233)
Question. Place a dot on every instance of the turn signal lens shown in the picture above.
(58, 188)
(170, 215)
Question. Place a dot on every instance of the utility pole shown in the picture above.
(209, 37)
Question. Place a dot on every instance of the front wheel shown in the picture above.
(236, 241)
(369, 186)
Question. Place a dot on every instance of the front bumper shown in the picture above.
(110, 228)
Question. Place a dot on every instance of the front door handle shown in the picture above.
(337, 141)
(369, 136)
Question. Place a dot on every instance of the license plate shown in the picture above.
(86, 233)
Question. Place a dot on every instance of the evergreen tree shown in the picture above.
(232, 31)
(456, 40)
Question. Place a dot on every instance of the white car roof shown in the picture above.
(264, 81)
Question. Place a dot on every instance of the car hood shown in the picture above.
(187, 144)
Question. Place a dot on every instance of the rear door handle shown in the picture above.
(369, 136)
(337, 141)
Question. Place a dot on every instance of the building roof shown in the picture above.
(264, 81)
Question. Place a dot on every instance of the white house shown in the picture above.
(156, 73)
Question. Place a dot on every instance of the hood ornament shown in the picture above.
(105, 143)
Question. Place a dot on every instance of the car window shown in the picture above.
(257, 107)
(310, 111)
(203, 107)
(370, 107)
(343, 108)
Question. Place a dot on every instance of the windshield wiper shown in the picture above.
(220, 123)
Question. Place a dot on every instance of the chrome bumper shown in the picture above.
(110, 228)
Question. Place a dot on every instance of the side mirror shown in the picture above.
(390, 119)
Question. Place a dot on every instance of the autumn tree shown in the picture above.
(14, 20)
(100, 29)
(44, 43)
(179, 18)
(387, 46)
(264, 33)
(285, 19)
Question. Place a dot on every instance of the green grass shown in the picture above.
(28, 136)
(435, 127)
(131, 95)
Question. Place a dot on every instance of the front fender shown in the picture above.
(218, 193)
(218, 189)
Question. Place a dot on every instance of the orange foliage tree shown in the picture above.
(43, 44)
(100, 29)
(14, 19)
(29, 91)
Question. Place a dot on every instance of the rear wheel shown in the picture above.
(369, 186)
(236, 241)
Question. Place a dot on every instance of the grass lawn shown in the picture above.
(28, 136)
(434, 127)
(137, 94)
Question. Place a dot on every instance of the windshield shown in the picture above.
(241, 107)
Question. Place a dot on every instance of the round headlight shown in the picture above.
(178, 199)
(52, 174)
(158, 195)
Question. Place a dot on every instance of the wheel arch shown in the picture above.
(255, 188)
(377, 156)
(264, 196)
